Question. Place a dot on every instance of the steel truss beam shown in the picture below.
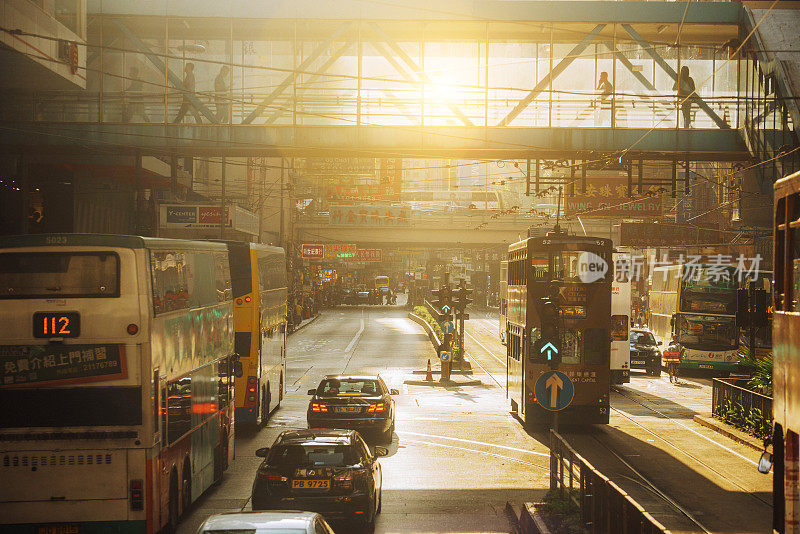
(419, 72)
(161, 67)
(636, 74)
(317, 75)
(405, 73)
(651, 51)
(552, 75)
(292, 76)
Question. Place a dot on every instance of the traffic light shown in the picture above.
(760, 307)
(463, 297)
(442, 299)
(548, 346)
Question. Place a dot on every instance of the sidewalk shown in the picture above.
(305, 322)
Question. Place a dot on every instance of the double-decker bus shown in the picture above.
(620, 328)
(786, 365)
(696, 303)
(503, 307)
(577, 269)
(258, 275)
(117, 361)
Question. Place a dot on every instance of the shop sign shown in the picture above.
(369, 254)
(312, 252)
(340, 250)
(664, 235)
(608, 197)
(373, 215)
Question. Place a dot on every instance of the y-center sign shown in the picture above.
(554, 391)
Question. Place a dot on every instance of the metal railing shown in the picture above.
(725, 389)
(605, 508)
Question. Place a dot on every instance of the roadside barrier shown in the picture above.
(724, 389)
(605, 507)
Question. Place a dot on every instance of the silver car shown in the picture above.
(272, 522)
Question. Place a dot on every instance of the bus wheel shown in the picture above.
(172, 520)
(186, 489)
(266, 400)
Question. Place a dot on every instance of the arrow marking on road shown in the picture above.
(554, 384)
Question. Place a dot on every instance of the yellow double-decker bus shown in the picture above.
(258, 278)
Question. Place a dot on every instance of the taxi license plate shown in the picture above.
(348, 409)
(637, 362)
(315, 483)
(57, 529)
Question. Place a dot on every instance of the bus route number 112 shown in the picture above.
(56, 324)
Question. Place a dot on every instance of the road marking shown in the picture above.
(484, 348)
(487, 453)
(462, 440)
(355, 338)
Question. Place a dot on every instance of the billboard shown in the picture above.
(205, 216)
(367, 214)
(665, 235)
(312, 252)
(607, 196)
(340, 250)
(369, 254)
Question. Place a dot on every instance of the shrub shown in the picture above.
(422, 311)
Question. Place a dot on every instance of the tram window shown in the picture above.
(596, 347)
(536, 335)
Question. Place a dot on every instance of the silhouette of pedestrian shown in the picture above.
(605, 87)
(135, 96)
(685, 88)
(188, 88)
(221, 95)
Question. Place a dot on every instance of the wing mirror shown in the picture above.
(765, 462)
(394, 392)
(312, 391)
(262, 452)
(381, 451)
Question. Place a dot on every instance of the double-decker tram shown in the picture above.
(575, 273)
(258, 274)
(785, 349)
(117, 362)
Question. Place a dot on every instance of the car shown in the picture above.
(362, 403)
(645, 353)
(328, 471)
(275, 522)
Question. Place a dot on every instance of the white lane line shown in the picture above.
(484, 348)
(461, 440)
(355, 338)
(502, 457)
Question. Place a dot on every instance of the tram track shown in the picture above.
(682, 450)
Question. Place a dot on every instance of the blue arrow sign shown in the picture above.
(554, 391)
(446, 308)
(549, 350)
(444, 356)
(447, 327)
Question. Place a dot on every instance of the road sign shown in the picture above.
(447, 327)
(444, 356)
(446, 308)
(549, 350)
(554, 391)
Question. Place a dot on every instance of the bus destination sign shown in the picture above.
(57, 363)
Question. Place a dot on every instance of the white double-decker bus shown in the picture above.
(620, 328)
(116, 354)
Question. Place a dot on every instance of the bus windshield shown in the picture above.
(706, 332)
(58, 274)
(709, 289)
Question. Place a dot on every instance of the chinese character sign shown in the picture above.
(312, 252)
(340, 250)
(608, 197)
(369, 254)
(362, 214)
(56, 363)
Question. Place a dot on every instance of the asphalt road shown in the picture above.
(652, 439)
(457, 455)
